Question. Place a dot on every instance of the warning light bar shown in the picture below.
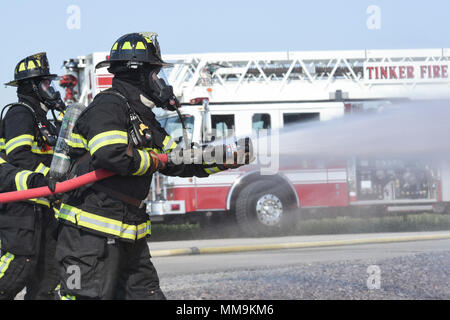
(196, 101)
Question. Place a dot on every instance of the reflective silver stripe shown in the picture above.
(145, 230)
(41, 168)
(168, 145)
(103, 224)
(144, 164)
(21, 180)
(4, 263)
(75, 141)
(107, 138)
(21, 184)
(212, 170)
(26, 140)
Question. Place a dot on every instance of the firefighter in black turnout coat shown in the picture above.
(27, 228)
(104, 227)
(9, 175)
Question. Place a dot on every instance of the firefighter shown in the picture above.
(27, 228)
(103, 228)
(14, 179)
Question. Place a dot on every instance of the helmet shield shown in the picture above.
(153, 36)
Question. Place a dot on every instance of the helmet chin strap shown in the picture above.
(43, 106)
(146, 101)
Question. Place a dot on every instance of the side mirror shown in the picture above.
(206, 122)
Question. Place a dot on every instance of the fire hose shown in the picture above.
(62, 187)
(100, 174)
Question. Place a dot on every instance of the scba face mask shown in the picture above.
(49, 95)
(161, 93)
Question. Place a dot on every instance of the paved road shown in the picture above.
(409, 270)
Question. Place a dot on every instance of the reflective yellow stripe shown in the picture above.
(126, 45)
(145, 163)
(77, 141)
(107, 138)
(22, 140)
(102, 224)
(56, 210)
(41, 201)
(2, 144)
(140, 46)
(37, 150)
(157, 151)
(4, 263)
(68, 297)
(212, 170)
(25, 140)
(168, 144)
(41, 168)
(31, 65)
(21, 179)
(2, 161)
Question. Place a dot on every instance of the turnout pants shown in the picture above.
(97, 267)
(27, 257)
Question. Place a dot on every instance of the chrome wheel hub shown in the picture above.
(269, 209)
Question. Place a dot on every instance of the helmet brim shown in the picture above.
(107, 63)
(15, 83)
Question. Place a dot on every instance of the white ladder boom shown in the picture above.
(311, 75)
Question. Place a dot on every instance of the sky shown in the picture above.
(200, 26)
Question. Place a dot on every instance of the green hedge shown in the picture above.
(339, 225)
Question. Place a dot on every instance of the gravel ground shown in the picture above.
(419, 276)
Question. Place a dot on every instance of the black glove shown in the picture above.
(242, 153)
(38, 180)
(54, 198)
(52, 184)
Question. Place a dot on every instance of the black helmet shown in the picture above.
(33, 66)
(139, 47)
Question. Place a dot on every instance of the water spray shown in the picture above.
(409, 130)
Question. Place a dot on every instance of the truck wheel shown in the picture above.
(264, 208)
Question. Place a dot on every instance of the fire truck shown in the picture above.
(243, 94)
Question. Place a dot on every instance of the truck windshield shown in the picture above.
(174, 128)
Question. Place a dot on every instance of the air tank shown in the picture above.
(61, 160)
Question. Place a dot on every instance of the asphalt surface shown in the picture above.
(417, 269)
(357, 266)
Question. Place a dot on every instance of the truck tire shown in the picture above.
(264, 208)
